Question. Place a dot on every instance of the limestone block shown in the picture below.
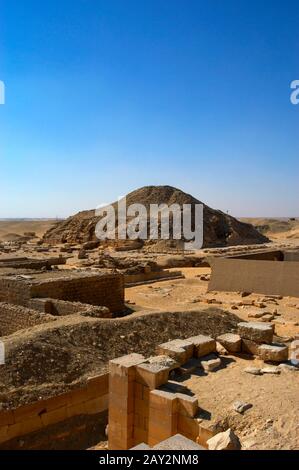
(256, 331)
(273, 352)
(230, 341)
(203, 345)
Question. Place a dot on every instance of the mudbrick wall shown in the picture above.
(54, 423)
(105, 290)
(58, 307)
(14, 291)
(14, 318)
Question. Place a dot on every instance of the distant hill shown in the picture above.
(276, 228)
(220, 229)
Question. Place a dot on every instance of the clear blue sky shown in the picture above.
(104, 96)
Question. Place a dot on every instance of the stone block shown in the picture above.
(187, 405)
(155, 371)
(250, 347)
(273, 352)
(256, 331)
(178, 349)
(164, 402)
(231, 342)
(203, 345)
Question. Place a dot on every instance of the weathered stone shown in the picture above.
(288, 367)
(230, 341)
(221, 349)
(180, 350)
(203, 345)
(273, 352)
(270, 370)
(255, 314)
(241, 406)
(255, 331)
(224, 441)
(253, 370)
(267, 317)
(250, 347)
(211, 364)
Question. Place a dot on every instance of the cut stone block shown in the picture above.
(124, 366)
(250, 347)
(231, 342)
(155, 371)
(203, 345)
(178, 349)
(273, 352)
(162, 402)
(187, 405)
(256, 331)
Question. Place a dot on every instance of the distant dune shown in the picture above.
(276, 229)
(12, 229)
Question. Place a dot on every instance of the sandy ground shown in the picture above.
(190, 292)
(271, 423)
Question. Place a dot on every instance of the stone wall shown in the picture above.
(100, 290)
(263, 277)
(41, 416)
(105, 290)
(58, 307)
(14, 291)
(14, 318)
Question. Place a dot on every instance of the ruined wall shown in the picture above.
(264, 277)
(106, 290)
(14, 291)
(58, 307)
(37, 418)
(100, 290)
(14, 318)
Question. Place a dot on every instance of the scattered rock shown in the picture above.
(211, 364)
(224, 441)
(267, 317)
(252, 370)
(241, 406)
(270, 370)
(255, 314)
(288, 367)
